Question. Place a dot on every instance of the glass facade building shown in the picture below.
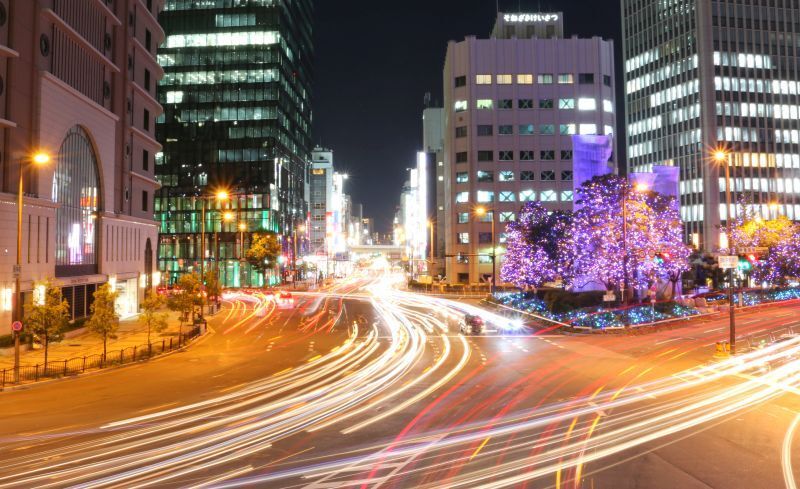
(703, 75)
(237, 115)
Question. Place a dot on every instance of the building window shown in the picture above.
(460, 81)
(506, 196)
(607, 80)
(506, 176)
(505, 104)
(461, 131)
(525, 103)
(566, 79)
(586, 78)
(527, 195)
(547, 155)
(548, 196)
(485, 238)
(526, 156)
(461, 157)
(463, 238)
(505, 130)
(145, 160)
(463, 217)
(485, 176)
(146, 119)
(548, 176)
(504, 79)
(545, 79)
(507, 216)
(485, 130)
(566, 129)
(527, 176)
(485, 196)
(485, 155)
(460, 105)
(566, 103)
(147, 79)
(588, 128)
(526, 130)
(547, 129)
(608, 106)
(525, 79)
(483, 79)
(566, 155)
(545, 103)
(608, 130)
(148, 40)
(484, 104)
(462, 197)
(506, 155)
(566, 196)
(76, 190)
(462, 177)
(145, 200)
(486, 217)
(587, 104)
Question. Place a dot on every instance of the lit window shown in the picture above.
(504, 79)
(548, 196)
(485, 176)
(609, 131)
(527, 195)
(462, 177)
(463, 238)
(463, 217)
(566, 79)
(566, 129)
(506, 197)
(545, 79)
(566, 103)
(588, 128)
(484, 104)
(485, 196)
(462, 197)
(461, 105)
(587, 104)
(547, 129)
(223, 39)
(566, 196)
(483, 79)
(608, 106)
(441, 178)
(174, 97)
(525, 79)
(507, 217)
(506, 176)
(526, 130)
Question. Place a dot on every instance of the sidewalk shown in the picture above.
(131, 333)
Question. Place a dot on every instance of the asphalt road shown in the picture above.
(364, 386)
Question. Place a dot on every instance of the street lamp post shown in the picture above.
(219, 196)
(226, 217)
(37, 159)
(242, 229)
(722, 157)
(482, 211)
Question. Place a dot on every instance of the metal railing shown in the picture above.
(78, 365)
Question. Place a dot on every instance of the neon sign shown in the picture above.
(531, 17)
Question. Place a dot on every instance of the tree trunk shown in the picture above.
(105, 342)
(46, 346)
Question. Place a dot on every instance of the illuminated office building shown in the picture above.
(512, 104)
(237, 115)
(703, 75)
(78, 83)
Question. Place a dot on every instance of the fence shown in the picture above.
(79, 365)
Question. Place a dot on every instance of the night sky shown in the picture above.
(376, 59)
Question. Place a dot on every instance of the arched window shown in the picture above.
(76, 188)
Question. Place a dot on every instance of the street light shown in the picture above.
(722, 157)
(40, 158)
(220, 196)
(480, 212)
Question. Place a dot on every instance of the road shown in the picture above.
(363, 385)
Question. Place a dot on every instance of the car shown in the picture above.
(284, 300)
(471, 325)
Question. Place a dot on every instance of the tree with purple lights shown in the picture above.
(534, 254)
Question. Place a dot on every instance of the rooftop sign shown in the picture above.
(530, 17)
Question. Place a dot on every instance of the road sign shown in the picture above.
(727, 262)
(16, 326)
(609, 297)
(17, 270)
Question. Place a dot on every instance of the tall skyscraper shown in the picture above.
(512, 104)
(703, 76)
(236, 93)
(78, 89)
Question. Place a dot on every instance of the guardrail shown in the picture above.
(78, 365)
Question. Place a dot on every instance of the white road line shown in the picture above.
(667, 341)
(712, 330)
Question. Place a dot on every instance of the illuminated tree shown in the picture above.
(153, 320)
(782, 263)
(535, 247)
(47, 316)
(264, 251)
(104, 321)
(188, 297)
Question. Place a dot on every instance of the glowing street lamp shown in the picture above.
(722, 157)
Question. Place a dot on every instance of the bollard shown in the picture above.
(83, 367)
(65, 368)
(36, 375)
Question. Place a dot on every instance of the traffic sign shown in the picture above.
(727, 262)
(609, 297)
(16, 326)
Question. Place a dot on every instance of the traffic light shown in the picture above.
(661, 258)
(746, 263)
